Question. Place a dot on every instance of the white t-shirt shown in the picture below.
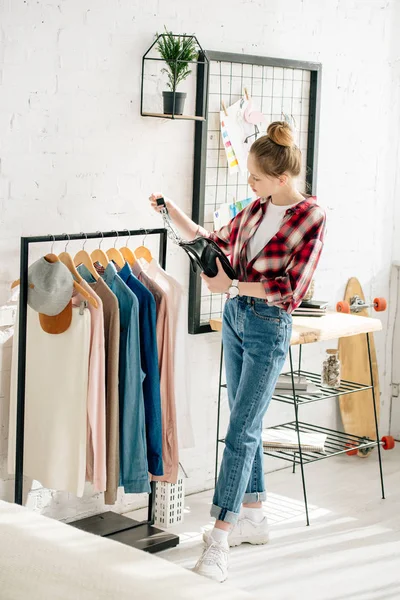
(269, 226)
(55, 405)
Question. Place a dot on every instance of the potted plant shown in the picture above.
(178, 52)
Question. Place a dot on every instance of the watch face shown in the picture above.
(233, 292)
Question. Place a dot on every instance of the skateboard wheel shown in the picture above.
(352, 451)
(343, 307)
(388, 442)
(380, 304)
(364, 452)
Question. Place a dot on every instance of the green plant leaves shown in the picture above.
(178, 52)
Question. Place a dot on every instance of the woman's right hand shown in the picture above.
(187, 228)
(154, 205)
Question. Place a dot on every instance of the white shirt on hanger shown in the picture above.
(57, 369)
(267, 229)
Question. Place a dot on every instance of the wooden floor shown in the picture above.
(350, 551)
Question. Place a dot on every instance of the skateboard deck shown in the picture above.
(357, 409)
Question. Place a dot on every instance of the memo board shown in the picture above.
(277, 87)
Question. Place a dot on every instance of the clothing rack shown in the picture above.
(140, 534)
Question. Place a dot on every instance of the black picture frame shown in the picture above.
(200, 149)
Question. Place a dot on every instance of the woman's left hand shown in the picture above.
(220, 283)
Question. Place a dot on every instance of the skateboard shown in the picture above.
(357, 410)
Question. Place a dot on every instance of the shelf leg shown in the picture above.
(375, 415)
(296, 410)
(218, 412)
(300, 356)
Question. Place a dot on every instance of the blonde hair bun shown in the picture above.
(281, 134)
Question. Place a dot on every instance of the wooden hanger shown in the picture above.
(115, 255)
(85, 294)
(127, 253)
(83, 258)
(17, 282)
(66, 259)
(143, 252)
(52, 258)
(99, 255)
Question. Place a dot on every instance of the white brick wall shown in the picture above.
(76, 155)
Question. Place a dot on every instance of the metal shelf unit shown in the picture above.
(337, 442)
(346, 387)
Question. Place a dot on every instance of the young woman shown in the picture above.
(274, 245)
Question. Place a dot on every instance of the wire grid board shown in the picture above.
(275, 90)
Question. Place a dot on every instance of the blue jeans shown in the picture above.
(256, 341)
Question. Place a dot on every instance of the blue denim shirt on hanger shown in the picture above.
(133, 450)
(149, 359)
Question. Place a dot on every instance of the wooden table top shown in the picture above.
(331, 326)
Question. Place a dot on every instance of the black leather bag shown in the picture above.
(203, 252)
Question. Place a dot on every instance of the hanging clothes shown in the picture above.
(111, 340)
(133, 451)
(149, 360)
(56, 403)
(170, 451)
(177, 312)
(96, 397)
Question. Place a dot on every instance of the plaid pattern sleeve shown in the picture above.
(289, 289)
(285, 266)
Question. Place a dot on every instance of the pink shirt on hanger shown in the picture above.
(177, 314)
(96, 471)
(170, 453)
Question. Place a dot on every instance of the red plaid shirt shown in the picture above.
(285, 266)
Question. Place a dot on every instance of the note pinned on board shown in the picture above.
(233, 135)
(233, 164)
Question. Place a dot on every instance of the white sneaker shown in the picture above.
(246, 532)
(213, 563)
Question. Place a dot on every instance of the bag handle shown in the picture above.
(173, 233)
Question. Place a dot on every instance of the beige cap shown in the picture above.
(58, 323)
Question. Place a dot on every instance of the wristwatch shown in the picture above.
(233, 289)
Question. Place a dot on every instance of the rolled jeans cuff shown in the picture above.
(254, 497)
(223, 514)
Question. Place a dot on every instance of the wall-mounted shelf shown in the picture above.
(181, 117)
(178, 65)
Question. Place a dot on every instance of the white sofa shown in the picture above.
(43, 559)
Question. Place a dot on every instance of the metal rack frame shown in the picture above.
(140, 534)
(337, 442)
